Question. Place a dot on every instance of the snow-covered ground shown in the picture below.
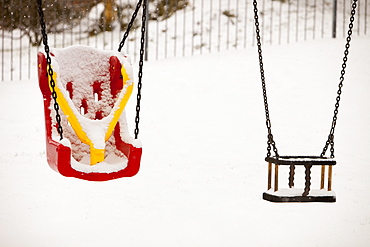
(204, 142)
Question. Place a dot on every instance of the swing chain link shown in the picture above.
(142, 52)
(130, 24)
(141, 63)
(270, 138)
(50, 71)
(330, 140)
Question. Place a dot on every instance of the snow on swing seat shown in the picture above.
(94, 85)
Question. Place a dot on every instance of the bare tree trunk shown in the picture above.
(110, 14)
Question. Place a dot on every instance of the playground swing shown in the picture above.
(91, 88)
(291, 194)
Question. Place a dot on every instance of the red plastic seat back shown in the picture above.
(94, 93)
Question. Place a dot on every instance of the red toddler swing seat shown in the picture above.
(93, 81)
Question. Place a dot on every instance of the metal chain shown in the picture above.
(330, 140)
(130, 24)
(270, 137)
(141, 63)
(50, 70)
(142, 52)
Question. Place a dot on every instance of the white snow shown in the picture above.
(202, 172)
(111, 163)
(298, 159)
(291, 192)
(66, 142)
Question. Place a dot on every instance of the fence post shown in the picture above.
(334, 30)
(146, 30)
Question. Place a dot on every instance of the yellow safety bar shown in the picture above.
(96, 155)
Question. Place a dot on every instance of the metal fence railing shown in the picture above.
(175, 28)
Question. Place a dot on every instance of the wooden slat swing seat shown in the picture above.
(291, 194)
(297, 195)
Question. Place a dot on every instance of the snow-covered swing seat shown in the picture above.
(93, 87)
